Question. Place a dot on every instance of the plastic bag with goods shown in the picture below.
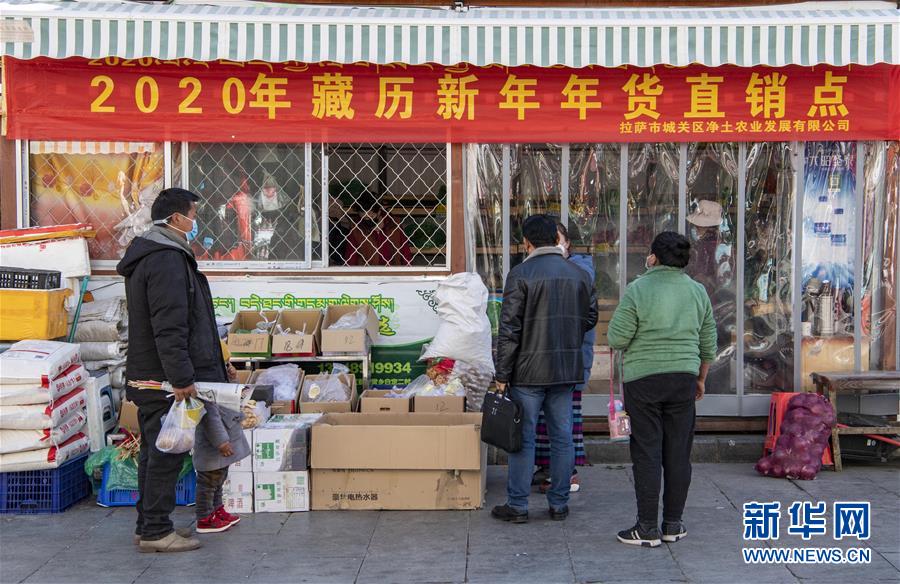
(285, 379)
(122, 461)
(464, 333)
(177, 433)
(352, 320)
(805, 431)
(333, 387)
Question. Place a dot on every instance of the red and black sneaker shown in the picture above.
(227, 517)
(212, 524)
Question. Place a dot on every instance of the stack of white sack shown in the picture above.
(42, 406)
(102, 334)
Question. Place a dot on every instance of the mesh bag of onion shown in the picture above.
(805, 430)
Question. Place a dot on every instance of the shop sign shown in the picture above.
(150, 100)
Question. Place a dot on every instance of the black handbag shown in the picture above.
(501, 423)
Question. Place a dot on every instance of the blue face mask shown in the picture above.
(192, 234)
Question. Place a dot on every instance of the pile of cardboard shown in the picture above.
(275, 477)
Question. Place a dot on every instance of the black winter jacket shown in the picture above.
(549, 304)
(172, 332)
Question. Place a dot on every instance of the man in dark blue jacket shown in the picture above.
(549, 304)
(172, 336)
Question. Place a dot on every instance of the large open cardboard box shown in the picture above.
(328, 407)
(298, 343)
(348, 341)
(403, 461)
(250, 344)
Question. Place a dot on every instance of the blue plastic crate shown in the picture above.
(44, 491)
(185, 492)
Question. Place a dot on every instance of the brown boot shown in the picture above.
(169, 544)
(182, 531)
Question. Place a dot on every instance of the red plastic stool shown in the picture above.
(777, 408)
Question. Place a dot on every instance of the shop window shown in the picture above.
(387, 204)
(486, 212)
(535, 182)
(101, 183)
(253, 203)
(768, 269)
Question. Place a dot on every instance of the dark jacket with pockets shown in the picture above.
(549, 304)
(172, 332)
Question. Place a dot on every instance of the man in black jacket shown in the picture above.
(172, 337)
(549, 304)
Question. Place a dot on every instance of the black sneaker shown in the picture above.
(507, 513)
(638, 536)
(672, 532)
(559, 515)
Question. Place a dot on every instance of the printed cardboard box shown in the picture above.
(398, 461)
(373, 401)
(348, 341)
(281, 492)
(237, 492)
(298, 343)
(282, 443)
(245, 464)
(250, 344)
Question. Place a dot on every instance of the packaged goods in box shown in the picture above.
(22, 440)
(33, 314)
(69, 256)
(44, 491)
(45, 458)
(328, 393)
(251, 333)
(282, 444)
(237, 492)
(246, 463)
(281, 492)
(16, 392)
(37, 360)
(297, 333)
(285, 379)
(348, 330)
(42, 416)
(398, 461)
(439, 404)
(375, 401)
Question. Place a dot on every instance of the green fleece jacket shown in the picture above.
(664, 324)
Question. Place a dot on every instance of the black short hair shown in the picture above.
(540, 231)
(171, 201)
(672, 249)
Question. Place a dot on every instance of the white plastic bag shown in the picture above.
(285, 378)
(333, 387)
(464, 333)
(177, 433)
(38, 359)
(352, 320)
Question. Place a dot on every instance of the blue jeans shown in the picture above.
(556, 401)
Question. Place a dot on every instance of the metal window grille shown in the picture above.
(101, 183)
(387, 204)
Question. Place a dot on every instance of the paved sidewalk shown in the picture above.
(92, 544)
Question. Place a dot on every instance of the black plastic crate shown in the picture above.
(24, 279)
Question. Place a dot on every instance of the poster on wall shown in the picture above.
(829, 208)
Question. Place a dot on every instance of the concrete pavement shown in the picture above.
(93, 544)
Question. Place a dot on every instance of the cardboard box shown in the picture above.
(128, 417)
(398, 461)
(281, 492)
(329, 407)
(282, 444)
(278, 407)
(398, 490)
(237, 492)
(348, 341)
(250, 343)
(373, 401)
(297, 344)
(439, 404)
(245, 464)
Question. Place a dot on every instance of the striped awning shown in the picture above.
(839, 33)
(74, 147)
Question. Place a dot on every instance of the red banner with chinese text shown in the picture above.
(153, 100)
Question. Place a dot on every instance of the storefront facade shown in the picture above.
(773, 146)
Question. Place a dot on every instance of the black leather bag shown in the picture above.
(501, 424)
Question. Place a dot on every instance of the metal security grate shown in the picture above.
(253, 202)
(387, 204)
(100, 183)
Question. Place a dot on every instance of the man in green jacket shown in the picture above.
(665, 327)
